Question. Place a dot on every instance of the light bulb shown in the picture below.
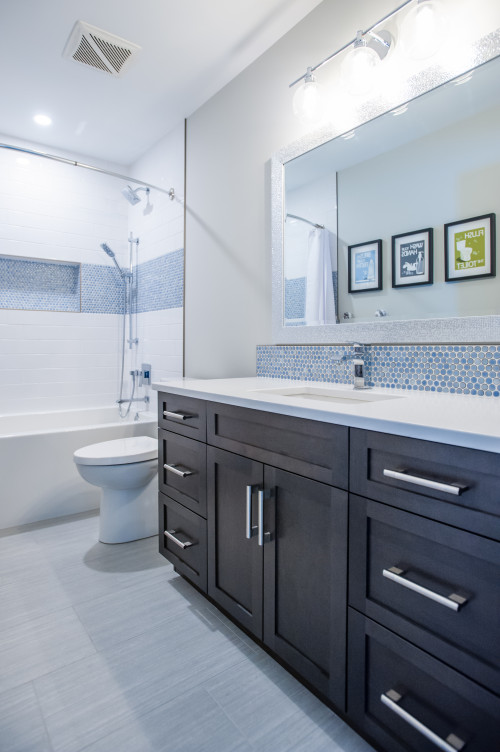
(422, 30)
(359, 68)
(308, 101)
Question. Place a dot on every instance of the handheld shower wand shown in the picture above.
(105, 247)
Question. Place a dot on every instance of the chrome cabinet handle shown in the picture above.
(173, 536)
(177, 416)
(260, 501)
(176, 471)
(249, 530)
(452, 488)
(453, 601)
(452, 743)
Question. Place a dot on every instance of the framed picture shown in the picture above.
(469, 248)
(412, 258)
(364, 266)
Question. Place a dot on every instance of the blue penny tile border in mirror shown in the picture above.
(451, 369)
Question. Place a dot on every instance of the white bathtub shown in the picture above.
(38, 478)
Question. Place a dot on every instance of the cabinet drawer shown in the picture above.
(184, 415)
(408, 701)
(182, 470)
(315, 450)
(435, 585)
(186, 543)
(414, 475)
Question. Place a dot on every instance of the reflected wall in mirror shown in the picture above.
(432, 161)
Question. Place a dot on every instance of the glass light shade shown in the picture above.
(359, 70)
(422, 30)
(309, 102)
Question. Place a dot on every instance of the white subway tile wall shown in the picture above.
(67, 360)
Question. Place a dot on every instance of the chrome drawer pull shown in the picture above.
(452, 488)
(249, 530)
(175, 469)
(452, 743)
(177, 416)
(453, 601)
(173, 536)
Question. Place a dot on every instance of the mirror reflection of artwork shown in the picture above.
(365, 267)
(418, 166)
(412, 259)
(470, 248)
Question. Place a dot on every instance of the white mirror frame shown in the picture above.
(478, 329)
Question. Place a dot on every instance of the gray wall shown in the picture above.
(228, 228)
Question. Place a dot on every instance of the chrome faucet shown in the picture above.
(358, 364)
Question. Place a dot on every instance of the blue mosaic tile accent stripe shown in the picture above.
(102, 289)
(295, 299)
(453, 369)
(39, 285)
(161, 282)
(55, 286)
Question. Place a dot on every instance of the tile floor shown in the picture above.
(105, 648)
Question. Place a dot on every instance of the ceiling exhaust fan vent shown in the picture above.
(98, 49)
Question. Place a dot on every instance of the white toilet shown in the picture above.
(126, 471)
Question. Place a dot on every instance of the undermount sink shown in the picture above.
(327, 394)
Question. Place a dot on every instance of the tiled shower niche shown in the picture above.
(39, 284)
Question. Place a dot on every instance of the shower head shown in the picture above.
(105, 247)
(131, 194)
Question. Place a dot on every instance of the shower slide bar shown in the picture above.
(170, 193)
(314, 224)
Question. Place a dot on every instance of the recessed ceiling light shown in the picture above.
(42, 119)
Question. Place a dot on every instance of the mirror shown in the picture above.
(433, 161)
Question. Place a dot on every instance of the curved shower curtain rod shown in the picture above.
(170, 193)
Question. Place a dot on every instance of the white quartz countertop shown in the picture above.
(450, 419)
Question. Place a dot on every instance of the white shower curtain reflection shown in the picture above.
(320, 295)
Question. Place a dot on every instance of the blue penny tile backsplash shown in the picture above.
(452, 369)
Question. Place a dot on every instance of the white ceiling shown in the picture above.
(190, 50)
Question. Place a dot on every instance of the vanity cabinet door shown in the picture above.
(234, 561)
(305, 562)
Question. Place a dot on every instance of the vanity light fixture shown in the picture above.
(420, 35)
(359, 67)
(463, 79)
(422, 30)
(400, 110)
(308, 100)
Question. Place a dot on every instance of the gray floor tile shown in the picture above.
(140, 661)
(21, 724)
(110, 618)
(191, 723)
(41, 645)
(83, 582)
(95, 697)
(26, 598)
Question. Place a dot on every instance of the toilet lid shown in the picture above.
(118, 451)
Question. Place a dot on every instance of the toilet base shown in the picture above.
(129, 514)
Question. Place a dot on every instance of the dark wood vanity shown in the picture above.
(368, 564)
